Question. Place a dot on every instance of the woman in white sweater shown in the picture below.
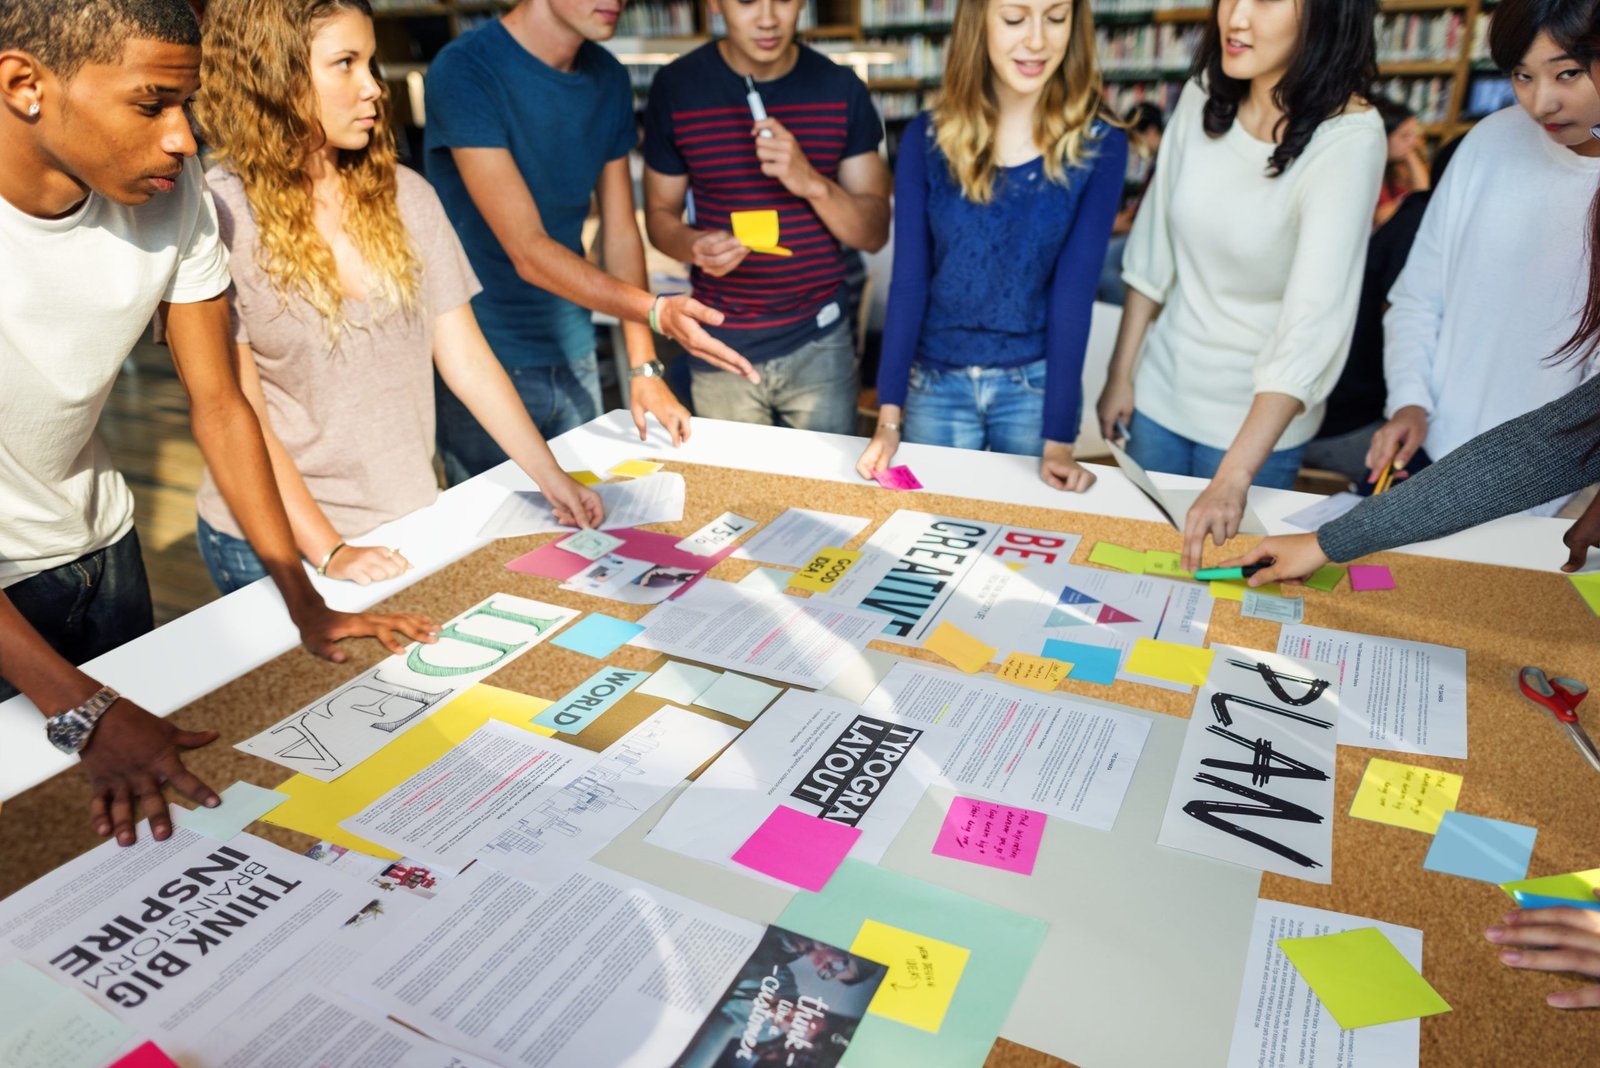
(1250, 246)
(1495, 280)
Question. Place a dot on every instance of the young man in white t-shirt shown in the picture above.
(104, 218)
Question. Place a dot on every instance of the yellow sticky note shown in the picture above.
(1574, 886)
(1015, 565)
(585, 478)
(315, 808)
(824, 570)
(1109, 555)
(1361, 979)
(635, 468)
(1040, 673)
(1588, 587)
(959, 647)
(1187, 664)
(1405, 795)
(1169, 565)
(1234, 591)
(758, 231)
(922, 976)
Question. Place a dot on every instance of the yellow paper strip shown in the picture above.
(1109, 555)
(1185, 664)
(959, 647)
(1234, 591)
(1168, 565)
(315, 808)
(635, 468)
(824, 570)
(1405, 795)
(1040, 673)
(922, 977)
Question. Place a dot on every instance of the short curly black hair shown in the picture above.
(65, 34)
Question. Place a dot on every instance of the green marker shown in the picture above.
(1222, 574)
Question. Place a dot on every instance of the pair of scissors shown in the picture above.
(1561, 698)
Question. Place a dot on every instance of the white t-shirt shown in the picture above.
(78, 293)
(1258, 277)
(1493, 284)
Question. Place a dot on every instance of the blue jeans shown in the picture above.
(558, 398)
(996, 408)
(230, 560)
(1155, 448)
(89, 606)
(812, 388)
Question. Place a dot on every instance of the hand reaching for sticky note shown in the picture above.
(717, 252)
(758, 231)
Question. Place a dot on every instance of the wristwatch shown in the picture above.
(70, 731)
(653, 369)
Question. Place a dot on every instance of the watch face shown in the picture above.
(67, 732)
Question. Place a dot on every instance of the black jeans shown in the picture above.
(89, 606)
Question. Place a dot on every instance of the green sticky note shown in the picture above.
(1361, 978)
(1588, 587)
(1574, 886)
(1170, 565)
(1001, 945)
(1325, 578)
(48, 1025)
(1108, 555)
(242, 804)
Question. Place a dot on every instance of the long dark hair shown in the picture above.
(1334, 59)
(1586, 338)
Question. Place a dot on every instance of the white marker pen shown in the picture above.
(758, 109)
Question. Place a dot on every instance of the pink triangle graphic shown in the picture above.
(1114, 615)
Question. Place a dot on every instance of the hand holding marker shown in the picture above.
(758, 108)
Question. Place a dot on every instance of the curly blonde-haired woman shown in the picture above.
(1004, 198)
(350, 288)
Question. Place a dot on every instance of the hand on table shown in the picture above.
(574, 504)
(130, 755)
(679, 317)
(717, 252)
(1295, 558)
(652, 396)
(363, 564)
(1217, 512)
(322, 628)
(879, 453)
(1060, 471)
(1582, 535)
(782, 158)
(1397, 441)
(1554, 940)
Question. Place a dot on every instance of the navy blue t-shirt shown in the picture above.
(484, 90)
(698, 122)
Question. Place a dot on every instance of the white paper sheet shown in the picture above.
(792, 539)
(800, 641)
(1281, 1024)
(1406, 697)
(336, 732)
(171, 937)
(311, 1028)
(566, 821)
(724, 530)
(600, 969)
(621, 578)
(634, 502)
(1324, 511)
(1254, 784)
(1175, 503)
(444, 813)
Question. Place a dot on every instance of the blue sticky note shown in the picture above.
(1090, 663)
(1474, 847)
(242, 804)
(597, 635)
(1541, 901)
(584, 704)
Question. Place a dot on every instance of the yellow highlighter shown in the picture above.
(758, 231)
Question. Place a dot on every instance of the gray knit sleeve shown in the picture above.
(1547, 453)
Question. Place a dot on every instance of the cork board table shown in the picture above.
(1521, 768)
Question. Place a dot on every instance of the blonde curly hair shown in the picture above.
(966, 114)
(258, 112)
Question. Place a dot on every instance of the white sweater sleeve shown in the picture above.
(1412, 324)
(1338, 193)
(1149, 263)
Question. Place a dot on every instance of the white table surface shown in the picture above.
(191, 656)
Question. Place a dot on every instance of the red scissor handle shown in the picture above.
(1560, 696)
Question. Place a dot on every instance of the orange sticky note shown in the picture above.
(959, 647)
(1168, 660)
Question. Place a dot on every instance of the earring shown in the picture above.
(33, 109)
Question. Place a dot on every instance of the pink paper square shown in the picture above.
(897, 478)
(148, 1055)
(553, 562)
(1370, 577)
(983, 832)
(798, 849)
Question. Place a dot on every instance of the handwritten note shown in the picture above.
(1035, 672)
(1361, 978)
(1170, 565)
(799, 849)
(1108, 555)
(1405, 795)
(1186, 664)
(897, 478)
(825, 569)
(591, 544)
(1258, 605)
(922, 977)
(999, 836)
(1370, 577)
(959, 647)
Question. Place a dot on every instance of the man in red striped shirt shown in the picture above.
(814, 160)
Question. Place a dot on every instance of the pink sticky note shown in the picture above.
(553, 562)
(799, 849)
(148, 1055)
(1370, 577)
(897, 478)
(983, 832)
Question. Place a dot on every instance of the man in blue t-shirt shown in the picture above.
(813, 159)
(527, 119)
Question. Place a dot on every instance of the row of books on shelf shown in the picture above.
(1428, 97)
(1417, 38)
(402, 5)
(1167, 47)
(660, 18)
(1121, 97)
(906, 12)
(924, 57)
